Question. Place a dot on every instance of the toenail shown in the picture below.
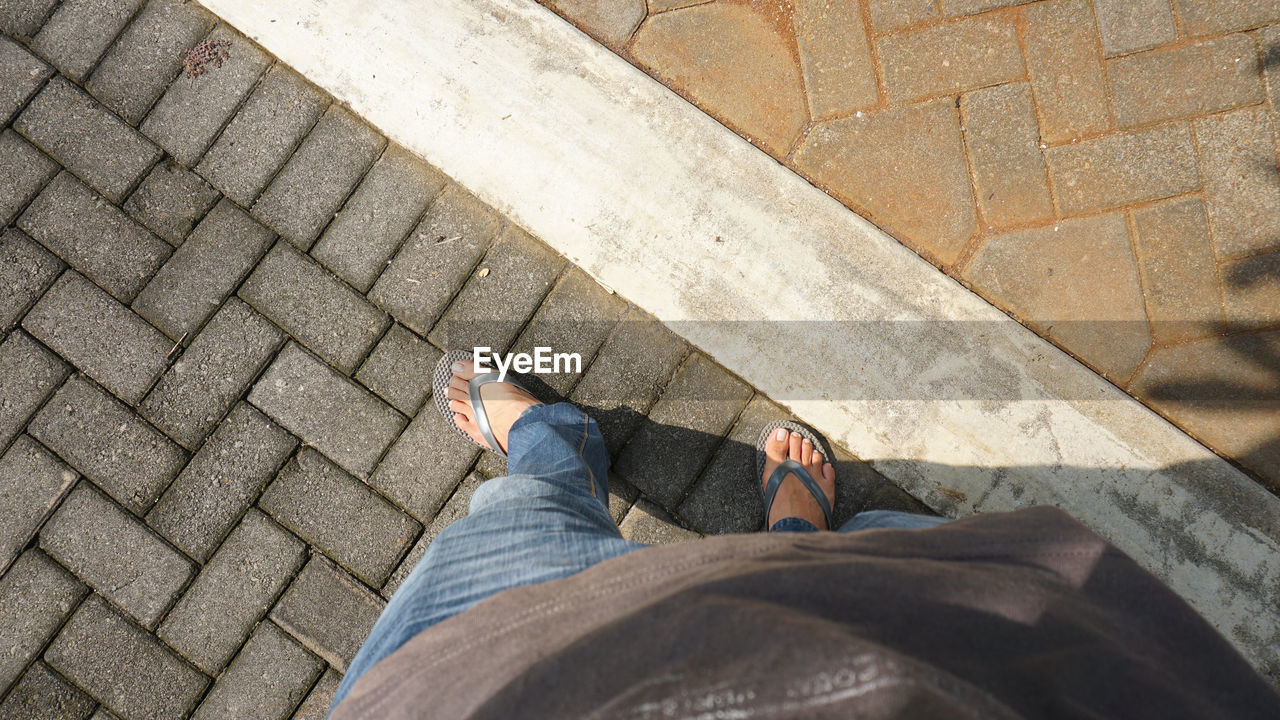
(457, 367)
(780, 435)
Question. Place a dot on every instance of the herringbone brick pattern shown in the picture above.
(221, 298)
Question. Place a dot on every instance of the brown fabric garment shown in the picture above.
(1024, 614)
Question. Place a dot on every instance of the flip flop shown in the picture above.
(791, 467)
(440, 382)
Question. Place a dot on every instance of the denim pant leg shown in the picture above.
(869, 520)
(547, 520)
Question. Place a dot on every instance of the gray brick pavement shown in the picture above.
(115, 554)
(32, 483)
(310, 188)
(255, 460)
(190, 115)
(98, 335)
(94, 237)
(123, 666)
(87, 138)
(21, 74)
(233, 592)
(223, 479)
(268, 679)
(97, 435)
(24, 170)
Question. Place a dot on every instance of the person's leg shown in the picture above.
(890, 520)
(548, 519)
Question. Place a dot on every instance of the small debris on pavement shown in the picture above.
(199, 58)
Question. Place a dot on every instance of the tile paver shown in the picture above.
(191, 113)
(1131, 25)
(310, 188)
(170, 201)
(438, 256)
(1204, 17)
(262, 135)
(32, 483)
(36, 595)
(905, 166)
(399, 369)
(457, 507)
(21, 74)
(223, 479)
(316, 705)
(424, 465)
(26, 271)
(29, 373)
(1003, 143)
(94, 237)
(195, 280)
(345, 422)
(23, 172)
(315, 307)
(951, 56)
(1193, 80)
(1251, 287)
(1076, 281)
(23, 18)
(1124, 168)
(87, 138)
(193, 395)
(123, 666)
(1241, 182)
(501, 295)
(233, 592)
(386, 206)
(80, 31)
(98, 335)
(835, 56)
(696, 410)
(98, 436)
(328, 611)
(747, 78)
(337, 513)
(115, 554)
(41, 694)
(1066, 70)
(148, 54)
(1178, 273)
(889, 15)
(268, 679)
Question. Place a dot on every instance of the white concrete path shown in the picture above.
(939, 390)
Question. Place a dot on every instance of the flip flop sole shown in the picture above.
(440, 382)
(803, 431)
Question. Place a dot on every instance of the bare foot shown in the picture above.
(503, 404)
(793, 498)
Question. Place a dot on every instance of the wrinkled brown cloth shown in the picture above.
(1024, 614)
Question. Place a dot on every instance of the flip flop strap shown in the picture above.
(790, 466)
(477, 407)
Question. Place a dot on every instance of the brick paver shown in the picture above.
(1131, 25)
(36, 595)
(1193, 80)
(113, 447)
(224, 297)
(951, 57)
(32, 483)
(1241, 181)
(268, 679)
(223, 479)
(99, 336)
(124, 666)
(80, 31)
(1009, 173)
(187, 118)
(87, 138)
(1178, 274)
(23, 172)
(1124, 168)
(233, 592)
(1066, 70)
(148, 54)
(94, 237)
(21, 74)
(310, 188)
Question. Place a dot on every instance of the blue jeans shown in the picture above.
(548, 519)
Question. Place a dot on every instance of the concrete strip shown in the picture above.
(786, 287)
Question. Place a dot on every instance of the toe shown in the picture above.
(829, 473)
(456, 394)
(777, 446)
(464, 369)
(462, 409)
(806, 453)
(797, 447)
